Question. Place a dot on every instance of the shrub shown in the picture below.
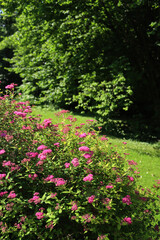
(66, 182)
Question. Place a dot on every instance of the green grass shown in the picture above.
(147, 155)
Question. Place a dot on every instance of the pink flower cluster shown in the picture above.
(53, 195)
(22, 220)
(11, 195)
(2, 175)
(12, 166)
(31, 154)
(3, 193)
(106, 202)
(33, 176)
(88, 155)
(50, 178)
(9, 206)
(74, 206)
(42, 156)
(84, 149)
(104, 138)
(2, 151)
(131, 162)
(49, 225)
(88, 178)
(127, 200)
(109, 186)
(87, 217)
(130, 178)
(42, 147)
(91, 198)
(47, 122)
(101, 237)
(22, 114)
(39, 215)
(82, 135)
(75, 162)
(11, 86)
(59, 181)
(8, 138)
(67, 165)
(36, 199)
(127, 220)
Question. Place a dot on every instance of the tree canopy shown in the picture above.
(95, 55)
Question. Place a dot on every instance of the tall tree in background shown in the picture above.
(89, 54)
(7, 28)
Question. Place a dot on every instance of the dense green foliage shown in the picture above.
(66, 182)
(95, 55)
(7, 28)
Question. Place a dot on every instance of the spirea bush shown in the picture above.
(66, 181)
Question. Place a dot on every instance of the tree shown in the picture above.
(7, 28)
(89, 54)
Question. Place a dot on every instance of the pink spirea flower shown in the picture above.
(53, 195)
(11, 195)
(84, 149)
(88, 217)
(88, 155)
(39, 215)
(2, 175)
(50, 178)
(127, 220)
(22, 114)
(8, 138)
(36, 199)
(31, 154)
(46, 151)
(91, 198)
(75, 162)
(89, 161)
(88, 178)
(33, 176)
(57, 144)
(74, 207)
(39, 126)
(103, 138)
(42, 147)
(50, 225)
(47, 122)
(18, 225)
(109, 186)
(90, 120)
(67, 165)
(36, 194)
(2, 151)
(39, 163)
(8, 163)
(80, 143)
(130, 178)
(11, 86)
(127, 200)
(42, 156)
(131, 162)
(124, 143)
(82, 135)
(101, 237)
(3, 193)
(59, 181)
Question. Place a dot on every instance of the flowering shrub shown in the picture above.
(64, 181)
